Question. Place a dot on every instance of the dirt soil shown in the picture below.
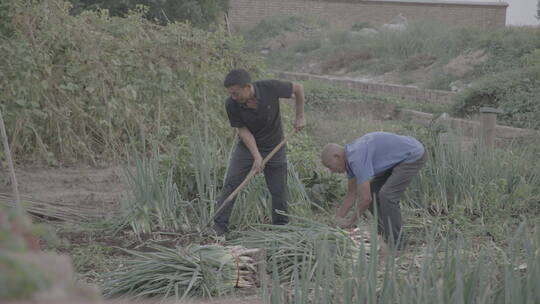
(93, 190)
(100, 190)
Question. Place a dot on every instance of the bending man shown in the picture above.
(379, 165)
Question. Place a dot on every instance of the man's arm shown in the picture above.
(250, 143)
(298, 91)
(349, 200)
(365, 199)
(363, 204)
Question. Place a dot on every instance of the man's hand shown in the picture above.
(298, 91)
(300, 123)
(258, 165)
(343, 222)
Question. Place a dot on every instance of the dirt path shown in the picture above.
(88, 189)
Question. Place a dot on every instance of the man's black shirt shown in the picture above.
(264, 122)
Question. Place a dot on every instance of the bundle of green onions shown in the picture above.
(184, 272)
(293, 247)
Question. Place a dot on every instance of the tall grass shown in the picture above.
(420, 37)
(253, 204)
(274, 26)
(153, 202)
(514, 91)
(416, 54)
(444, 272)
(205, 162)
(485, 183)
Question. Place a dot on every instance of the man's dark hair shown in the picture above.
(237, 77)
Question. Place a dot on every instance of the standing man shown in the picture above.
(380, 165)
(253, 108)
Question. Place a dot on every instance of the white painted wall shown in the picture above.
(519, 12)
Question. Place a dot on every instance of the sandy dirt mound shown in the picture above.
(465, 63)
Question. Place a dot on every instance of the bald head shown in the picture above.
(333, 158)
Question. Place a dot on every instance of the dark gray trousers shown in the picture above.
(387, 188)
(275, 173)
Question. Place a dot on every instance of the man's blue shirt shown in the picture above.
(376, 152)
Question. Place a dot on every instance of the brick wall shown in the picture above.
(375, 12)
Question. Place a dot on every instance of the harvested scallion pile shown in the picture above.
(183, 272)
(297, 244)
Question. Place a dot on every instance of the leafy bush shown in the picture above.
(516, 93)
(201, 13)
(321, 187)
(85, 87)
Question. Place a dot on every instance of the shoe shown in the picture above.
(215, 232)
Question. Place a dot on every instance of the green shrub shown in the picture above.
(321, 187)
(516, 93)
(105, 83)
(201, 13)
